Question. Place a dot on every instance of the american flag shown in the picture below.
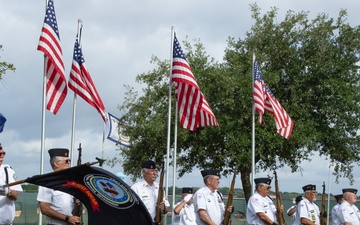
(49, 44)
(81, 83)
(194, 110)
(264, 100)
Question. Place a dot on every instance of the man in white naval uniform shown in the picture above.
(335, 210)
(148, 189)
(261, 210)
(349, 213)
(292, 210)
(8, 196)
(308, 212)
(57, 206)
(208, 201)
(184, 210)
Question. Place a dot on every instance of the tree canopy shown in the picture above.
(311, 66)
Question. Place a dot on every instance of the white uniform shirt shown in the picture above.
(293, 216)
(7, 206)
(59, 201)
(186, 215)
(211, 202)
(349, 213)
(309, 210)
(148, 195)
(258, 203)
(335, 215)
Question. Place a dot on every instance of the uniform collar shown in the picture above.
(209, 191)
(145, 184)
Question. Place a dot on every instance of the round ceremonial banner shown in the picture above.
(111, 191)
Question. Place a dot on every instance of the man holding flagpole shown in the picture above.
(148, 189)
(9, 195)
(348, 211)
(208, 201)
(57, 206)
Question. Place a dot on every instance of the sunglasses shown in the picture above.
(67, 161)
(3, 153)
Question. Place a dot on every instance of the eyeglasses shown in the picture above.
(215, 178)
(3, 153)
(267, 188)
(67, 161)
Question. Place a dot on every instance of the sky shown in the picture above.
(118, 39)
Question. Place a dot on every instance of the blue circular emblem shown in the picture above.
(110, 190)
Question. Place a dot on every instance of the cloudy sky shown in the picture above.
(118, 40)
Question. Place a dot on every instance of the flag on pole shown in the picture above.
(194, 110)
(107, 198)
(264, 100)
(2, 122)
(49, 44)
(116, 131)
(81, 83)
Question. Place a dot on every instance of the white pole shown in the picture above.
(103, 143)
(328, 205)
(253, 133)
(42, 130)
(169, 117)
(174, 164)
(42, 144)
(72, 155)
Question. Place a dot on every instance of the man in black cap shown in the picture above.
(184, 211)
(261, 210)
(292, 210)
(57, 206)
(208, 201)
(8, 196)
(308, 212)
(335, 210)
(148, 189)
(349, 213)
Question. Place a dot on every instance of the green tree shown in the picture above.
(311, 68)
(4, 66)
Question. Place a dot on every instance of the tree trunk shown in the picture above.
(245, 180)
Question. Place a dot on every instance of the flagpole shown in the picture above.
(103, 142)
(42, 147)
(78, 36)
(43, 128)
(72, 157)
(174, 161)
(253, 132)
(328, 203)
(169, 116)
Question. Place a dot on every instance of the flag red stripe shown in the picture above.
(49, 44)
(265, 101)
(194, 111)
(81, 83)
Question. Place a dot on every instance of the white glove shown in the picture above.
(187, 197)
(4, 190)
